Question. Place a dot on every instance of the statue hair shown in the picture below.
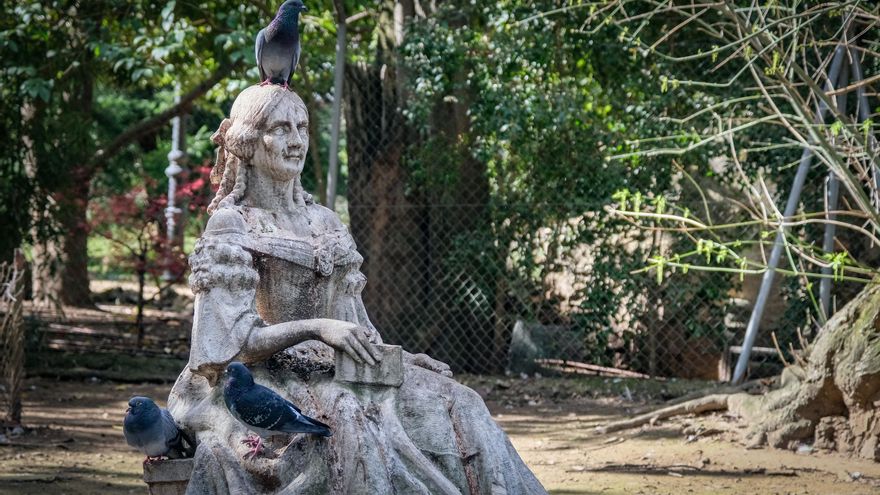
(237, 138)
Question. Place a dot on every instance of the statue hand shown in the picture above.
(354, 340)
(429, 363)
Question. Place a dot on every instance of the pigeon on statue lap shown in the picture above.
(277, 46)
(262, 410)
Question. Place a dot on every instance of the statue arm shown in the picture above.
(344, 336)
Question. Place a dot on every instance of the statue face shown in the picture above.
(281, 150)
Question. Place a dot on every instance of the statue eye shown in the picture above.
(279, 131)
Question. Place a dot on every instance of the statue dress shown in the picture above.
(277, 285)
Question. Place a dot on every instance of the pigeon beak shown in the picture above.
(304, 9)
(127, 409)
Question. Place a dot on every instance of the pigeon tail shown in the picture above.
(306, 424)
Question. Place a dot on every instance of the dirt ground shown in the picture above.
(75, 402)
(76, 445)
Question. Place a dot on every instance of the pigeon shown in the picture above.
(263, 410)
(277, 46)
(153, 431)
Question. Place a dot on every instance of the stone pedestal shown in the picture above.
(168, 477)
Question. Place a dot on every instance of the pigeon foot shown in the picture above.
(151, 459)
(255, 442)
(285, 86)
(266, 82)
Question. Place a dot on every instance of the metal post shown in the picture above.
(333, 166)
(864, 115)
(833, 195)
(790, 208)
(175, 156)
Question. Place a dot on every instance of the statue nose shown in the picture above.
(295, 140)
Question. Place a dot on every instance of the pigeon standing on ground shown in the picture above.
(153, 431)
(277, 46)
(262, 410)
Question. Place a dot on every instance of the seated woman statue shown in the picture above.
(278, 287)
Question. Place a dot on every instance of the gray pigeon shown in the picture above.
(153, 431)
(277, 46)
(262, 410)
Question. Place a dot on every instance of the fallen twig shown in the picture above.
(716, 402)
(594, 368)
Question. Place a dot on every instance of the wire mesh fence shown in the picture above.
(488, 280)
(485, 301)
(12, 339)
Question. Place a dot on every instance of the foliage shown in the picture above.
(780, 55)
(134, 222)
(83, 74)
(549, 100)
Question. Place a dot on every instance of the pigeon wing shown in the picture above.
(258, 52)
(260, 407)
(171, 433)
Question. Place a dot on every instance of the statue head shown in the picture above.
(267, 130)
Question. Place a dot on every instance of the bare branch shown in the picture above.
(151, 124)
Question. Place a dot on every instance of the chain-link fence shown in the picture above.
(485, 301)
(12, 339)
(458, 270)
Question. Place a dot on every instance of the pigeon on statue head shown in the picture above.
(277, 46)
(262, 410)
(153, 431)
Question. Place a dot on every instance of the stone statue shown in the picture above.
(278, 287)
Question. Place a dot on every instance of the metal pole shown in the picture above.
(864, 115)
(333, 166)
(175, 156)
(832, 199)
(790, 208)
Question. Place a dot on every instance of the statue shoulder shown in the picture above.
(228, 220)
(221, 256)
(327, 219)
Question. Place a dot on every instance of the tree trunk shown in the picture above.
(61, 265)
(75, 273)
(141, 302)
(386, 223)
(831, 402)
(406, 231)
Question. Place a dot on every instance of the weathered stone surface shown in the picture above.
(169, 477)
(388, 372)
(278, 286)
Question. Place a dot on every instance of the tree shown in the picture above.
(776, 70)
(67, 68)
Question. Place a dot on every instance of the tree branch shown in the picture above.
(151, 124)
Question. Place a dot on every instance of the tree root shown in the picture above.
(713, 399)
(830, 401)
(716, 402)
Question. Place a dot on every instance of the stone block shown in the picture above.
(168, 477)
(532, 341)
(387, 372)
